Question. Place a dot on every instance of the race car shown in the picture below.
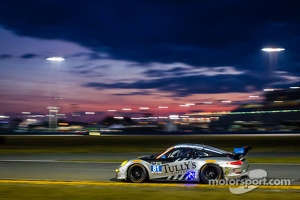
(186, 162)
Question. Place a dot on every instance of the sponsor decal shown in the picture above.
(226, 170)
(190, 175)
(180, 168)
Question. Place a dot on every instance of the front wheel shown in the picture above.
(210, 172)
(137, 173)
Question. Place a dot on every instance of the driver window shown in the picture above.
(180, 153)
(174, 154)
(198, 153)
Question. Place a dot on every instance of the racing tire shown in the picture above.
(210, 172)
(137, 173)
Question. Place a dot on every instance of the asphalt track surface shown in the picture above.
(71, 167)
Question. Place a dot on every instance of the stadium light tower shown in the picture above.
(54, 109)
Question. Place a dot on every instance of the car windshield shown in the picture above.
(156, 154)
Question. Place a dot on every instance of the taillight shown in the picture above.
(239, 162)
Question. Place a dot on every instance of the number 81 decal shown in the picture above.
(156, 167)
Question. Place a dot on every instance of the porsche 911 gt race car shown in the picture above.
(186, 162)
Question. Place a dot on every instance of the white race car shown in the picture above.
(186, 162)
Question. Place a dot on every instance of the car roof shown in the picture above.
(200, 147)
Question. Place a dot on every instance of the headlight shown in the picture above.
(123, 163)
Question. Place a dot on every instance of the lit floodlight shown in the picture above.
(163, 107)
(226, 101)
(269, 89)
(272, 49)
(89, 113)
(184, 105)
(253, 96)
(144, 108)
(55, 59)
(190, 104)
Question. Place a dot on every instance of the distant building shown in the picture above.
(280, 110)
(282, 95)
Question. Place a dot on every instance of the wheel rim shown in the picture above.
(137, 173)
(211, 173)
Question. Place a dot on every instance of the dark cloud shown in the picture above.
(29, 56)
(143, 93)
(194, 31)
(155, 73)
(5, 56)
(87, 55)
(187, 85)
(176, 71)
(88, 70)
(167, 82)
(78, 67)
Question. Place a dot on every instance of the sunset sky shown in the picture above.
(142, 53)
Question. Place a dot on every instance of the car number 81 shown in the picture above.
(156, 167)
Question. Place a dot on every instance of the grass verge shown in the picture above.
(85, 144)
(26, 191)
(286, 160)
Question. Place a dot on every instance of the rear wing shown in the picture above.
(242, 151)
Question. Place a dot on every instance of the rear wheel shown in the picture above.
(137, 173)
(210, 172)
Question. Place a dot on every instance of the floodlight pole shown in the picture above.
(273, 59)
(53, 110)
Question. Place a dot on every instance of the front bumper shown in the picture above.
(121, 173)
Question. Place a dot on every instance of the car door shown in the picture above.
(173, 165)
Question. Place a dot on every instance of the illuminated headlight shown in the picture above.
(123, 163)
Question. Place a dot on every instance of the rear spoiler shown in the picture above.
(242, 151)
